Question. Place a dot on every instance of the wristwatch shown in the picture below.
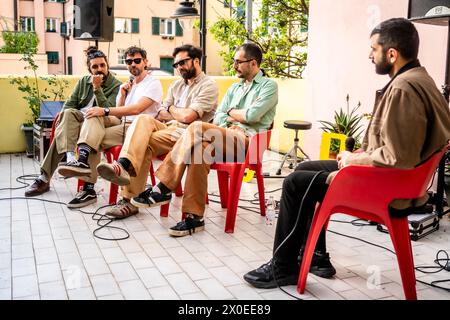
(106, 112)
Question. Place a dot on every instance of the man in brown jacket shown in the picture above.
(411, 121)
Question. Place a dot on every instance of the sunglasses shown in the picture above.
(181, 63)
(96, 54)
(135, 60)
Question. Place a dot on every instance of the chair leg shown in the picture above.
(399, 232)
(223, 188)
(319, 221)
(179, 191)
(113, 190)
(152, 174)
(80, 185)
(262, 200)
(233, 198)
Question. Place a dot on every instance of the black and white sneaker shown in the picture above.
(187, 227)
(74, 169)
(149, 199)
(82, 199)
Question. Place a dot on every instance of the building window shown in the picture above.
(27, 24)
(166, 27)
(121, 56)
(50, 24)
(52, 57)
(126, 25)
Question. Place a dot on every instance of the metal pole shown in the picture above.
(203, 32)
(248, 17)
(441, 171)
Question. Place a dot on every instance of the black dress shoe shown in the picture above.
(37, 188)
(263, 277)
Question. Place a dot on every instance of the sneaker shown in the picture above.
(114, 172)
(149, 199)
(123, 209)
(187, 227)
(263, 277)
(74, 169)
(321, 265)
(82, 199)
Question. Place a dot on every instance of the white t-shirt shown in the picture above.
(151, 88)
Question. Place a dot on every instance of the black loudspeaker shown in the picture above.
(435, 12)
(93, 20)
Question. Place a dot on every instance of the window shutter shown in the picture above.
(155, 26)
(134, 25)
(178, 29)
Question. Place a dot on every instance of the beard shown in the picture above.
(136, 71)
(188, 74)
(384, 67)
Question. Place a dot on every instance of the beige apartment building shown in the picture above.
(145, 23)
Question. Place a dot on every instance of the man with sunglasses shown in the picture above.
(100, 89)
(104, 127)
(247, 108)
(193, 97)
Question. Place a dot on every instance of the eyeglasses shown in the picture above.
(238, 62)
(135, 60)
(96, 54)
(181, 63)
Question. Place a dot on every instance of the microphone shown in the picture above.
(349, 144)
(131, 79)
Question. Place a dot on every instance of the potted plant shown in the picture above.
(34, 95)
(346, 122)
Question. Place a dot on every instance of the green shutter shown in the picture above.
(178, 28)
(155, 26)
(52, 57)
(134, 25)
(166, 64)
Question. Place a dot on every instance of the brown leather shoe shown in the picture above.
(37, 188)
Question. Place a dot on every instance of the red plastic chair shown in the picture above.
(230, 177)
(366, 192)
(164, 210)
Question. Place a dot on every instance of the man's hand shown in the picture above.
(94, 112)
(164, 116)
(125, 88)
(342, 159)
(97, 80)
(237, 128)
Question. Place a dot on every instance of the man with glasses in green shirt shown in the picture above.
(247, 108)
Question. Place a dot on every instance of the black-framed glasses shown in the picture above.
(135, 60)
(96, 54)
(238, 62)
(181, 63)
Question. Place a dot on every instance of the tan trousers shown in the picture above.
(67, 130)
(200, 146)
(146, 138)
(100, 133)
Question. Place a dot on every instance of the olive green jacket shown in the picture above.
(105, 96)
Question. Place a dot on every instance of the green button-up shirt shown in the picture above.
(260, 101)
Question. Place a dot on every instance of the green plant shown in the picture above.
(19, 42)
(33, 93)
(346, 122)
(280, 30)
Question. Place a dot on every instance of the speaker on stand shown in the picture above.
(93, 20)
(436, 12)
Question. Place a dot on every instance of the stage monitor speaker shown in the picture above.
(435, 12)
(93, 20)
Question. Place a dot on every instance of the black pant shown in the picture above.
(294, 189)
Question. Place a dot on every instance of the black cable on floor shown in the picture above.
(101, 217)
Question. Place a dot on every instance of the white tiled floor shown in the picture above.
(49, 252)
